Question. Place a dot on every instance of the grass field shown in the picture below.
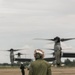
(55, 71)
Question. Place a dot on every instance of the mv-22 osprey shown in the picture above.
(58, 50)
(12, 55)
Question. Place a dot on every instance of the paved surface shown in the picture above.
(55, 71)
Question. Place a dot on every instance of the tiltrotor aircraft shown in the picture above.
(57, 54)
(12, 55)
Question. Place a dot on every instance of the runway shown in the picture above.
(55, 71)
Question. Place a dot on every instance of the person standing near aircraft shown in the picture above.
(39, 66)
(22, 69)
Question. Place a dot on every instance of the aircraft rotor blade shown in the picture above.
(50, 53)
(19, 54)
(49, 49)
(14, 49)
(51, 43)
(43, 39)
(66, 39)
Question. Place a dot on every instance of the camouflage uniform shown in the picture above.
(40, 67)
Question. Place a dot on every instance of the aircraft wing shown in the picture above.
(23, 59)
(66, 39)
(13, 50)
(71, 55)
(49, 59)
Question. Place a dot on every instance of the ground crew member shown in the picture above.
(39, 66)
(22, 69)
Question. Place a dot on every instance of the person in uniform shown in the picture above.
(39, 66)
(22, 69)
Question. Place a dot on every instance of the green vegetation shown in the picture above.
(67, 62)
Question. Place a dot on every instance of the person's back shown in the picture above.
(40, 67)
(22, 69)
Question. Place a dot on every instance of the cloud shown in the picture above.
(23, 20)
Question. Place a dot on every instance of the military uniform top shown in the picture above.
(22, 67)
(40, 67)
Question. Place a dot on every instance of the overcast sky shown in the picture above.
(23, 20)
